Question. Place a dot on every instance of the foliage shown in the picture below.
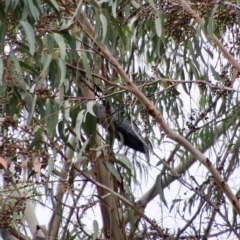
(59, 157)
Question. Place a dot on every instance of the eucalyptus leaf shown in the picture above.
(113, 170)
(30, 35)
(46, 61)
(54, 3)
(124, 160)
(61, 43)
(77, 12)
(63, 70)
(159, 24)
(104, 25)
(80, 118)
(34, 10)
(152, 4)
(90, 106)
(1, 72)
(67, 107)
(160, 189)
(32, 110)
(95, 230)
(86, 65)
(114, 9)
(15, 62)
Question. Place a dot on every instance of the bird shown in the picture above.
(126, 130)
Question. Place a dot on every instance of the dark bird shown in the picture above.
(126, 130)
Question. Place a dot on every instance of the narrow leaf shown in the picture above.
(215, 73)
(153, 5)
(113, 170)
(124, 160)
(67, 106)
(46, 63)
(77, 12)
(62, 66)
(61, 43)
(33, 9)
(86, 65)
(159, 24)
(160, 189)
(30, 35)
(114, 9)
(33, 105)
(95, 229)
(80, 118)
(1, 71)
(54, 3)
(104, 25)
(90, 105)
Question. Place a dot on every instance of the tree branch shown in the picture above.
(212, 36)
(88, 28)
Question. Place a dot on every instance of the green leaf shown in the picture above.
(211, 26)
(114, 9)
(33, 9)
(66, 108)
(37, 141)
(77, 12)
(80, 118)
(173, 203)
(3, 31)
(86, 65)
(61, 43)
(1, 72)
(50, 43)
(113, 170)
(90, 126)
(32, 110)
(159, 24)
(160, 189)
(62, 66)
(16, 63)
(51, 115)
(84, 146)
(95, 230)
(152, 4)
(67, 25)
(69, 39)
(215, 73)
(46, 62)
(28, 68)
(203, 102)
(11, 5)
(54, 3)
(132, 218)
(39, 44)
(30, 35)
(102, 1)
(61, 131)
(90, 105)
(104, 25)
(124, 161)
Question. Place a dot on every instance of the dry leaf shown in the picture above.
(24, 169)
(3, 162)
(63, 187)
(37, 168)
(234, 76)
